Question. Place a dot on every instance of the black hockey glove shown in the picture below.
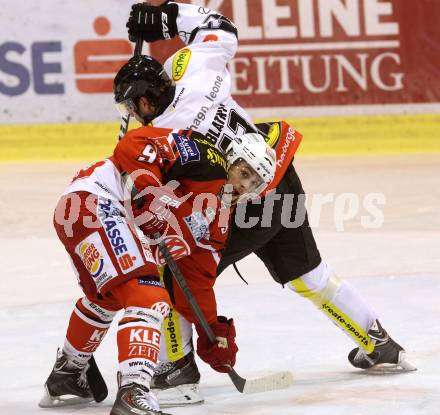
(152, 22)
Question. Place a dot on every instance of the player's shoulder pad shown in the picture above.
(215, 21)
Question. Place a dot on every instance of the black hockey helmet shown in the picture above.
(143, 76)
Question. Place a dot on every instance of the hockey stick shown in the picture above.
(276, 381)
(126, 119)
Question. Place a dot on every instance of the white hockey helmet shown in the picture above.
(253, 149)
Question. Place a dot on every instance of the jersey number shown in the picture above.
(238, 125)
(148, 154)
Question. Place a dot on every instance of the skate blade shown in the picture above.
(182, 395)
(402, 366)
(280, 380)
(48, 401)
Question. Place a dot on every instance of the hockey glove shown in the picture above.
(220, 356)
(153, 214)
(152, 22)
(149, 221)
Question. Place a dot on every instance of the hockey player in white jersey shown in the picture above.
(200, 99)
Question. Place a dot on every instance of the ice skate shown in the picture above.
(177, 383)
(136, 399)
(67, 384)
(387, 357)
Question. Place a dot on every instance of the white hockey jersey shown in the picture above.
(203, 100)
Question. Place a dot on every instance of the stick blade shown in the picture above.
(276, 381)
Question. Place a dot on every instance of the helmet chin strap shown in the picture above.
(225, 195)
(146, 119)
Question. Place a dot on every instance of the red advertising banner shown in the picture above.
(303, 57)
(331, 52)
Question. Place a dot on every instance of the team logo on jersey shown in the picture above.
(176, 245)
(187, 148)
(91, 258)
(180, 63)
(161, 307)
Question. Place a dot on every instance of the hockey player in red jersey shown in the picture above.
(158, 181)
(200, 98)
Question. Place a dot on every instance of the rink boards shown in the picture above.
(354, 135)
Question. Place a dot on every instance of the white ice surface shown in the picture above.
(396, 267)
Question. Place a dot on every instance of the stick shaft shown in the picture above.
(237, 380)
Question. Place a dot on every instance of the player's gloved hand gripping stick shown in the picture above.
(276, 381)
(279, 380)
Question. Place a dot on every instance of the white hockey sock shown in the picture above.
(339, 301)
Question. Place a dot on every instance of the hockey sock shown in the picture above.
(88, 325)
(139, 344)
(339, 301)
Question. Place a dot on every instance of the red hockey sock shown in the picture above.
(88, 325)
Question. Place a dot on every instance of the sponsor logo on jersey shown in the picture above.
(180, 63)
(161, 307)
(290, 138)
(91, 258)
(121, 240)
(163, 147)
(187, 148)
(143, 313)
(216, 159)
(198, 225)
(210, 38)
(149, 281)
(165, 29)
(273, 135)
(176, 101)
(177, 246)
(143, 343)
(103, 314)
(169, 201)
(96, 259)
(172, 327)
(95, 340)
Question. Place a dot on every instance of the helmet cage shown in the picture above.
(127, 107)
(253, 149)
(260, 186)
